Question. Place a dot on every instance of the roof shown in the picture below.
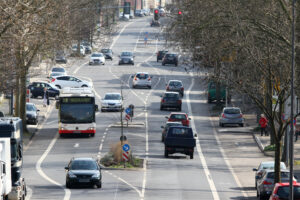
(175, 80)
(83, 91)
(84, 158)
(167, 92)
(113, 93)
(175, 113)
(142, 73)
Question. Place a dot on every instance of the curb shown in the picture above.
(261, 146)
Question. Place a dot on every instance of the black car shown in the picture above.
(37, 89)
(108, 53)
(60, 59)
(170, 58)
(126, 58)
(170, 100)
(160, 55)
(166, 128)
(83, 171)
(32, 114)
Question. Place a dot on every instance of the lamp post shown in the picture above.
(291, 149)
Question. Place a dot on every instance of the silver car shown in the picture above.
(263, 166)
(231, 115)
(112, 102)
(175, 86)
(141, 79)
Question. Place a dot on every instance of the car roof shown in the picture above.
(84, 158)
(175, 81)
(177, 113)
(112, 93)
(142, 73)
(273, 170)
(171, 93)
(231, 108)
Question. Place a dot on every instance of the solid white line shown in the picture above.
(76, 70)
(227, 160)
(42, 174)
(116, 192)
(198, 147)
(29, 193)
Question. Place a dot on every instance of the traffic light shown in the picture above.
(156, 14)
(179, 12)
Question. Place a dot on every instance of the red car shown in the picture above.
(179, 117)
(282, 190)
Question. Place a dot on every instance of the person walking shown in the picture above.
(46, 97)
(263, 122)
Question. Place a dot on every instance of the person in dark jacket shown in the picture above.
(46, 97)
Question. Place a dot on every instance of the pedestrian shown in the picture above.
(46, 97)
(263, 121)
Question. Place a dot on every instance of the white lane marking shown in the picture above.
(76, 145)
(29, 193)
(116, 192)
(42, 174)
(227, 160)
(137, 41)
(76, 70)
(145, 161)
(201, 156)
(51, 122)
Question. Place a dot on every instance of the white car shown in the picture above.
(82, 50)
(70, 81)
(97, 58)
(141, 79)
(112, 102)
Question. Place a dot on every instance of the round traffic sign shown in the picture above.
(126, 147)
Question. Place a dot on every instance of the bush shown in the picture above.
(269, 148)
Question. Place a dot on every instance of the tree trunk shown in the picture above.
(17, 97)
(269, 92)
(23, 98)
(277, 161)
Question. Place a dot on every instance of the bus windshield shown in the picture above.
(77, 113)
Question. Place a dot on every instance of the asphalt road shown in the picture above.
(209, 175)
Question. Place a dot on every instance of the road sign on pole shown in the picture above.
(128, 110)
(127, 117)
(125, 155)
(126, 147)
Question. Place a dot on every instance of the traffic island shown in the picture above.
(129, 125)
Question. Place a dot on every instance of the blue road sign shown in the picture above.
(126, 147)
(128, 110)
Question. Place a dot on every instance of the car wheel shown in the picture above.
(99, 185)
(102, 110)
(68, 185)
(58, 86)
(241, 125)
(92, 134)
(149, 87)
(161, 108)
(209, 100)
(90, 63)
(222, 125)
(192, 156)
(84, 86)
(133, 86)
(132, 63)
(166, 153)
(162, 138)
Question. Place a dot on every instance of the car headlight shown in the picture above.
(71, 175)
(96, 176)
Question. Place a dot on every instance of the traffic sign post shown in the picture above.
(125, 154)
(126, 147)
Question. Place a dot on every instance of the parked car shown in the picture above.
(60, 58)
(211, 93)
(154, 23)
(179, 117)
(281, 191)
(231, 115)
(162, 12)
(87, 47)
(60, 70)
(175, 86)
(170, 58)
(141, 79)
(83, 171)
(108, 53)
(81, 50)
(70, 81)
(112, 102)
(180, 139)
(32, 114)
(139, 13)
(37, 89)
(263, 166)
(265, 185)
(126, 58)
(166, 127)
(160, 55)
(171, 100)
(97, 58)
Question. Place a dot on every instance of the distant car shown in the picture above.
(60, 58)
(146, 12)
(139, 13)
(231, 115)
(55, 74)
(108, 53)
(166, 128)
(263, 166)
(211, 92)
(111, 102)
(60, 70)
(160, 55)
(170, 58)
(162, 12)
(179, 117)
(175, 86)
(266, 184)
(37, 89)
(171, 100)
(70, 81)
(87, 47)
(141, 79)
(83, 171)
(155, 23)
(81, 50)
(282, 191)
(97, 58)
(32, 114)
(126, 58)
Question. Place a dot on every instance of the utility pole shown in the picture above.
(121, 113)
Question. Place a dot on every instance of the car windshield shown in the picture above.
(83, 165)
(178, 116)
(171, 55)
(77, 113)
(283, 175)
(105, 50)
(283, 192)
(142, 76)
(175, 84)
(97, 55)
(232, 111)
(30, 107)
(56, 74)
(58, 69)
(112, 97)
(126, 54)
(271, 165)
(171, 95)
